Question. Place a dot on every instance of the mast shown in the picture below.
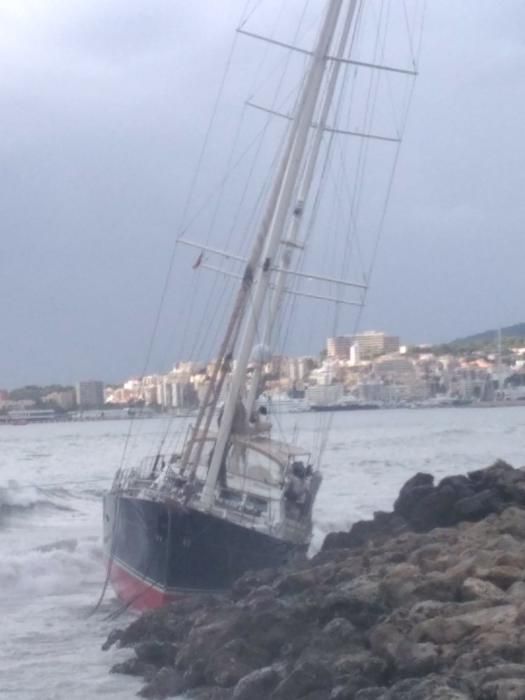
(297, 141)
(221, 366)
(294, 226)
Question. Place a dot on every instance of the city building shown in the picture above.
(90, 394)
(65, 400)
(370, 344)
(374, 343)
(338, 347)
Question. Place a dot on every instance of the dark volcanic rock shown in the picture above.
(305, 678)
(257, 685)
(165, 683)
(156, 653)
(425, 603)
(383, 525)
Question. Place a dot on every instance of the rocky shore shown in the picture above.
(425, 602)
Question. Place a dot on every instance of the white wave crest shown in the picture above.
(15, 496)
(54, 569)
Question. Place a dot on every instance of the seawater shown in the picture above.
(52, 478)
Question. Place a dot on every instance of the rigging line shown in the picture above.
(260, 138)
(288, 54)
(193, 354)
(369, 113)
(174, 248)
(409, 34)
(421, 28)
(351, 227)
(228, 287)
(359, 177)
(191, 305)
(346, 178)
(276, 96)
(385, 207)
(389, 78)
(323, 442)
(210, 194)
(390, 184)
(268, 121)
(248, 14)
(325, 422)
(200, 341)
(259, 148)
(287, 307)
(209, 128)
(244, 108)
(355, 39)
(364, 148)
(298, 263)
(310, 227)
(338, 110)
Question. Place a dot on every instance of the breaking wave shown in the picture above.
(55, 569)
(15, 497)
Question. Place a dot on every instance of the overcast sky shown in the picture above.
(103, 108)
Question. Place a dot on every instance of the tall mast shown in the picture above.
(294, 226)
(297, 140)
(211, 398)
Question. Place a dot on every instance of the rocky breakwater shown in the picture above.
(426, 602)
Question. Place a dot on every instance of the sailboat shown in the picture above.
(235, 498)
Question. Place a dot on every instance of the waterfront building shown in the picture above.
(31, 415)
(374, 343)
(338, 347)
(370, 344)
(90, 394)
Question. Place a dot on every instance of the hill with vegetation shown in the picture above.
(487, 341)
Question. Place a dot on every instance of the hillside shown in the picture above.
(516, 331)
(486, 341)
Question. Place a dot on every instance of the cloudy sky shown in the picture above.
(103, 108)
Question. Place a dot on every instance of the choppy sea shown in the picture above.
(52, 478)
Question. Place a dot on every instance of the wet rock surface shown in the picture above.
(427, 602)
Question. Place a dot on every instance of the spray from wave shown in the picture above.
(58, 568)
(16, 497)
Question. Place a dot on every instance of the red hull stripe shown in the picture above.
(137, 592)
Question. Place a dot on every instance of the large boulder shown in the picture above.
(257, 685)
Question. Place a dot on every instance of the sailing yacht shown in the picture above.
(235, 498)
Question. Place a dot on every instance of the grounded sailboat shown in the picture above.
(235, 498)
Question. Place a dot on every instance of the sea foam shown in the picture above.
(55, 569)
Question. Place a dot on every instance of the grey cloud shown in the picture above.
(103, 107)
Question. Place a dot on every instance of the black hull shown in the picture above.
(156, 551)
